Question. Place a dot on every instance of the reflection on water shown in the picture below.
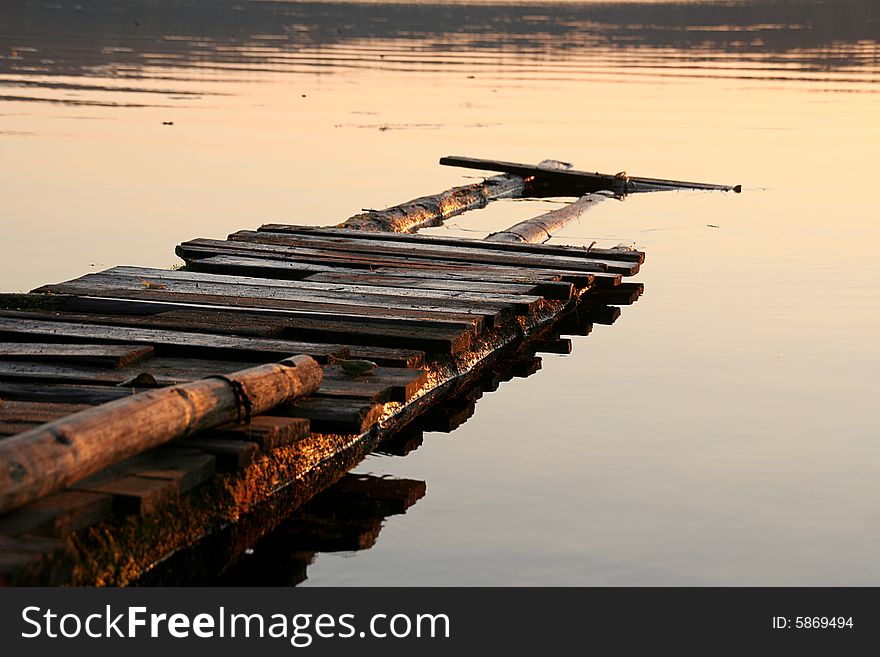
(182, 40)
(723, 432)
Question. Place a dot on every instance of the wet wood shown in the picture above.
(430, 210)
(570, 182)
(25, 559)
(67, 450)
(106, 355)
(538, 230)
(459, 242)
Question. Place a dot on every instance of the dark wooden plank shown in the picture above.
(345, 416)
(546, 285)
(166, 341)
(461, 242)
(106, 355)
(298, 294)
(383, 384)
(571, 182)
(35, 412)
(69, 394)
(389, 357)
(194, 250)
(184, 466)
(29, 560)
(132, 494)
(164, 371)
(266, 322)
(231, 455)
(266, 431)
(58, 515)
(471, 255)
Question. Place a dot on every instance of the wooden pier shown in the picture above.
(94, 489)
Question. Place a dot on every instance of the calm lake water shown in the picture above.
(723, 431)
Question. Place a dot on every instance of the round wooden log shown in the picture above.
(540, 229)
(53, 455)
(432, 210)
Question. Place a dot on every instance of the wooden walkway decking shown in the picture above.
(430, 312)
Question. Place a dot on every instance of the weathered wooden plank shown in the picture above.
(58, 515)
(570, 182)
(12, 428)
(166, 341)
(35, 412)
(231, 455)
(440, 252)
(107, 355)
(430, 210)
(345, 416)
(194, 250)
(460, 242)
(132, 495)
(544, 284)
(261, 322)
(66, 450)
(26, 559)
(383, 384)
(266, 431)
(389, 357)
(184, 466)
(300, 293)
(63, 393)
(164, 371)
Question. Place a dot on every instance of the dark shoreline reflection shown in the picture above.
(139, 38)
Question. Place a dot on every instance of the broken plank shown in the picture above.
(106, 355)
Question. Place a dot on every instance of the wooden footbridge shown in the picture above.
(145, 412)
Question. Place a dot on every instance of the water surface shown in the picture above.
(722, 431)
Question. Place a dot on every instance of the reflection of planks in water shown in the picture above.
(346, 516)
(431, 312)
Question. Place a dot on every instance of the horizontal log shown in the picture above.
(459, 242)
(64, 451)
(432, 210)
